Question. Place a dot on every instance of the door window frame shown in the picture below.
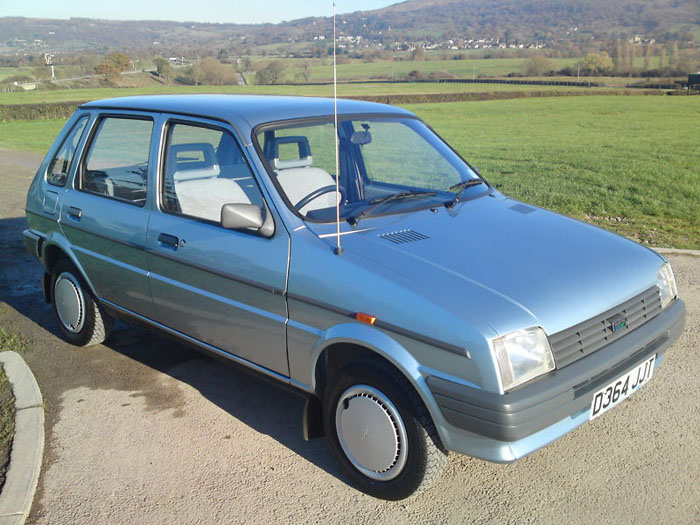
(167, 125)
(94, 128)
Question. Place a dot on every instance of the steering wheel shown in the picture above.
(315, 194)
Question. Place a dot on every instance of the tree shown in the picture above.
(595, 64)
(632, 54)
(674, 54)
(306, 71)
(618, 57)
(417, 75)
(538, 66)
(163, 68)
(662, 57)
(41, 73)
(648, 52)
(418, 54)
(113, 65)
(211, 72)
(270, 74)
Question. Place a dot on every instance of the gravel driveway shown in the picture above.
(143, 430)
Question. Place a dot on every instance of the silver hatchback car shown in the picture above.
(359, 260)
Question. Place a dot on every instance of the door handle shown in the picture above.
(168, 240)
(75, 213)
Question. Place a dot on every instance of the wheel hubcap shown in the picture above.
(69, 301)
(371, 432)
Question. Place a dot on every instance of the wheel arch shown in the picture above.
(352, 342)
(56, 248)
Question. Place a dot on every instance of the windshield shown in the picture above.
(387, 165)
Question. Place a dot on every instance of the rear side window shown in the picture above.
(59, 167)
(116, 165)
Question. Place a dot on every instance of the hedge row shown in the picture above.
(65, 109)
(37, 111)
(498, 95)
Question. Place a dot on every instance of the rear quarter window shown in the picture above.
(60, 165)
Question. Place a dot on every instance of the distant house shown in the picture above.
(26, 86)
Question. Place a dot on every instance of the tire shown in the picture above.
(380, 432)
(80, 318)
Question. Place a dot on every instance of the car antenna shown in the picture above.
(338, 249)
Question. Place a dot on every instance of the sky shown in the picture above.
(222, 11)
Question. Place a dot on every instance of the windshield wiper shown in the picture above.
(461, 186)
(376, 203)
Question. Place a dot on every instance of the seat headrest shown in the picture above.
(203, 173)
(278, 164)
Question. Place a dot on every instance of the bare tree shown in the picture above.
(538, 66)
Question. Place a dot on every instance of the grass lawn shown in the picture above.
(15, 343)
(7, 423)
(7, 415)
(629, 164)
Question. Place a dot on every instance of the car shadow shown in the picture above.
(261, 404)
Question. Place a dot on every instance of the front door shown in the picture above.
(219, 286)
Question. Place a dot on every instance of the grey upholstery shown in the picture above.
(297, 183)
(204, 198)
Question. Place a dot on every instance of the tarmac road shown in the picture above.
(143, 430)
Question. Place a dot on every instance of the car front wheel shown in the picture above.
(380, 432)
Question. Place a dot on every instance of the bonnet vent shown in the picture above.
(403, 236)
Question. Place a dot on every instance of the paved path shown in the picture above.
(143, 430)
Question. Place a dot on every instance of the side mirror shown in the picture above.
(235, 216)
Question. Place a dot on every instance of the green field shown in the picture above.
(490, 67)
(6, 72)
(357, 69)
(68, 95)
(626, 163)
(629, 164)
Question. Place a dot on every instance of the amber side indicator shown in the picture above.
(365, 318)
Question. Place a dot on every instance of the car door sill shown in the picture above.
(279, 378)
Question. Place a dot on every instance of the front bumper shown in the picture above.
(506, 427)
(32, 242)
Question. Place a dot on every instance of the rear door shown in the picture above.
(106, 216)
(218, 286)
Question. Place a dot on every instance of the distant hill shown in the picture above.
(529, 19)
(412, 20)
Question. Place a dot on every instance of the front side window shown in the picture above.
(59, 167)
(386, 165)
(204, 169)
(116, 164)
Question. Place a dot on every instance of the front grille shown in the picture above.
(572, 344)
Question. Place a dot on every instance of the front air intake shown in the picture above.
(403, 236)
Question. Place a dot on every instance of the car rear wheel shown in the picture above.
(380, 432)
(81, 319)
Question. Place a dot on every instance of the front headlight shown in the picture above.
(522, 355)
(667, 285)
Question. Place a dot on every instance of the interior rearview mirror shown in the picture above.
(361, 138)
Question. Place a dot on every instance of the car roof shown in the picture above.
(245, 112)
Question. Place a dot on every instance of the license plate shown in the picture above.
(622, 388)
